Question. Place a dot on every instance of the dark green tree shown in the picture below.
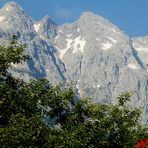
(106, 126)
(20, 118)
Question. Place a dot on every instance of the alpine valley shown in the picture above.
(100, 59)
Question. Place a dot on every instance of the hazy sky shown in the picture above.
(131, 16)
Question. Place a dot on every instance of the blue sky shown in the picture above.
(131, 16)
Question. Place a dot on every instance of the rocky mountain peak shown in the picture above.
(87, 17)
(45, 28)
(12, 7)
(47, 22)
(13, 20)
(46, 19)
(97, 26)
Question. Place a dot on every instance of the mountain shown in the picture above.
(141, 46)
(44, 62)
(97, 56)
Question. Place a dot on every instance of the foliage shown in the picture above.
(20, 120)
(36, 114)
(11, 55)
(24, 132)
(103, 126)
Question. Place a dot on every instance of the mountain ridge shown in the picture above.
(96, 55)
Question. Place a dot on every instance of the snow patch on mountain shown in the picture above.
(63, 51)
(37, 27)
(59, 31)
(79, 44)
(57, 37)
(106, 46)
(8, 8)
(1, 18)
(78, 88)
(115, 30)
(98, 86)
(111, 39)
(78, 29)
(132, 66)
(69, 35)
(76, 44)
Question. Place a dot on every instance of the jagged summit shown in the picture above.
(91, 24)
(12, 6)
(47, 19)
(45, 28)
(13, 19)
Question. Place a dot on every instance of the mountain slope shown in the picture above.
(96, 55)
(141, 46)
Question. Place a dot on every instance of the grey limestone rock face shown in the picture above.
(44, 61)
(46, 28)
(141, 46)
(102, 60)
(97, 56)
